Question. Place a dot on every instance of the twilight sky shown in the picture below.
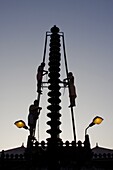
(88, 30)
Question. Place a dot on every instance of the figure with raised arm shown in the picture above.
(34, 111)
(40, 73)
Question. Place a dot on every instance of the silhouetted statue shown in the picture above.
(72, 89)
(40, 73)
(34, 111)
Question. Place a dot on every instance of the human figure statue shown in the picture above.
(72, 89)
(34, 111)
(40, 73)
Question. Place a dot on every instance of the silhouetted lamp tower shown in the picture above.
(54, 85)
(55, 155)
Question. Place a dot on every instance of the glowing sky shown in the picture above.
(88, 30)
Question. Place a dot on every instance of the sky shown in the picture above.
(88, 33)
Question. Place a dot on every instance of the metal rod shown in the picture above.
(65, 55)
(38, 97)
(86, 130)
(73, 123)
(38, 130)
(45, 48)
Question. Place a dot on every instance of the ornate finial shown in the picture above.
(55, 29)
(96, 144)
(22, 144)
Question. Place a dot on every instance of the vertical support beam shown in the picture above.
(72, 114)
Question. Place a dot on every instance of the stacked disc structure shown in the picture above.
(54, 87)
